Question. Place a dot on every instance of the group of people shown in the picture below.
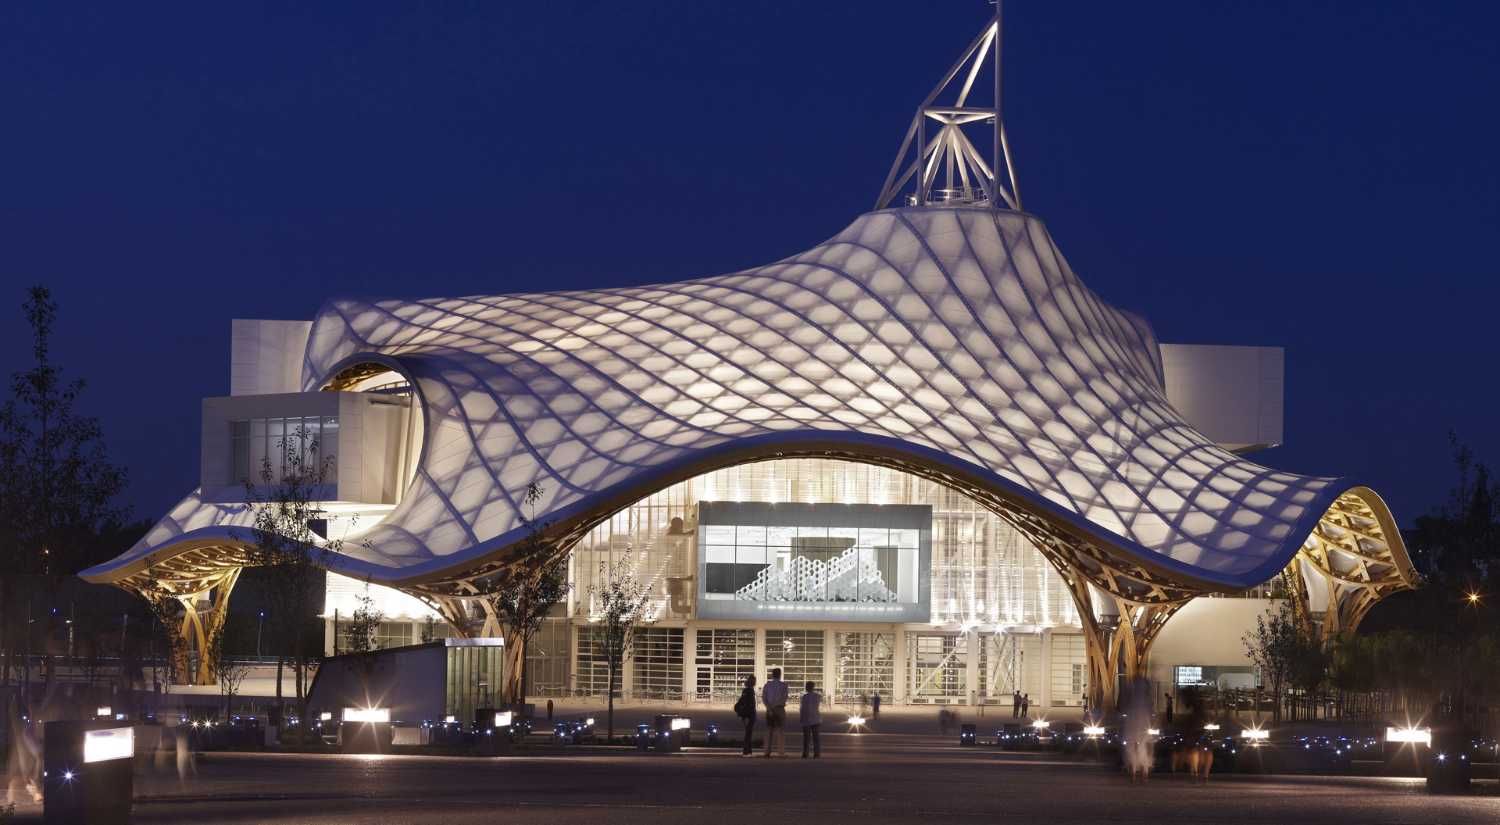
(774, 696)
(1020, 705)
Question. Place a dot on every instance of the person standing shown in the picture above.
(1015, 705)
(1169, 708)
(549, 710)
(1025, 706)
(811, 719)
(875, 704)
(773, 695)
(745, 709)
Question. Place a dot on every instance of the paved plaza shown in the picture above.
(871, 778)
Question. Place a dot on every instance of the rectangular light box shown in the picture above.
(109, 743)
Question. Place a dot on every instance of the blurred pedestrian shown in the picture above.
(745, 710)
(1025, 706)
(875, 704)
(811, 719)
(1015, 705)
(1169, 708)
(549, 710)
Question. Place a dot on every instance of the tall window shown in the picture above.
(799, 654)
(254, 441)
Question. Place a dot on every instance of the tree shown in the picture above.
(284, 539)
(526, 592)
(364, 624)
(621, 602)
(1273, 647)
(167, 615)
(228, 672)
(57, 486)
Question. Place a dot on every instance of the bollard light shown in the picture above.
(1413, 736)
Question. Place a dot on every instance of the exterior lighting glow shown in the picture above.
(1041, 724)
(67, 776)
(504, 718)
(1093, 730)
(1256, 734)
(1412, 736)
(448, 720)
(382, 715)
(104, 710)
(590, 721)
(856, 720)
(110, 743)
(681, 723)
(325, 716)
(1211, 726)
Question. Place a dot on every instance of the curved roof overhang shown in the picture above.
(1368, 552)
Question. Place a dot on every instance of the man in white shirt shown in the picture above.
(773, 695)
(812, 721)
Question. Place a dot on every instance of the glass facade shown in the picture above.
(981, 570)
(657, 663)
(724, 658)
(312, 440)
(866, 666)
(799, 654)
(827, 562)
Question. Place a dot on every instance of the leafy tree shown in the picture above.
(57, 486)
(364, 624)
(526, 592)
(1274, 647)
(1457, 547)
(621, 603)
(228, 672)
(284, 540)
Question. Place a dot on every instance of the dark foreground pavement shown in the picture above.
(877, 778)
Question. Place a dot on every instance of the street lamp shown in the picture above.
(260, 625)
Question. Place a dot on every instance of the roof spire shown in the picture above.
(947, 167)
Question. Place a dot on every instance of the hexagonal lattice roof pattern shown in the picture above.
(957, 337)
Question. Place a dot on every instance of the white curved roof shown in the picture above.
(955, 337)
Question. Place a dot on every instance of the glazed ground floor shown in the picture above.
(913, 664)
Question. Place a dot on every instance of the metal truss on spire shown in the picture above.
(945, 166)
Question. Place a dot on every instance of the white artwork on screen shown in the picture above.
(851, 576)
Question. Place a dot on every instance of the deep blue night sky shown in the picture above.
(1312, 174)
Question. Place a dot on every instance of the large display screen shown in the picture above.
(825, 562)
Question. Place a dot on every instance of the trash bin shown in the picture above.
(88, 771)
(968, 734)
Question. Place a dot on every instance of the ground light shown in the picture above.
(1418, 736)
(856, 722)
(382, 715)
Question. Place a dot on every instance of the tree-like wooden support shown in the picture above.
(1352, 555)
(204, 611)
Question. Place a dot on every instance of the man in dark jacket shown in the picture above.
(745, 709)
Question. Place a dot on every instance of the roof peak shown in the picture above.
(946, 167)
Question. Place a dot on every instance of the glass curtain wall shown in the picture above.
(799, 654)
(983, 571)
(724, 658)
